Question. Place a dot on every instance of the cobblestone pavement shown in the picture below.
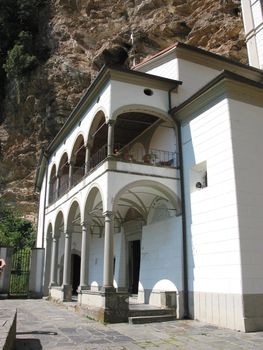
(44, 325)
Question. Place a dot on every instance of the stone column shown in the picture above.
(108, 252)
(54, 262)
(84, 266)
(57, 186)
(122, 285)
(110, 142)
(70, 175)
(67, 267)
(48, 258)
(87, 159)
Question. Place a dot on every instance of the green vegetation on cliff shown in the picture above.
(14, 230)
(18, 29)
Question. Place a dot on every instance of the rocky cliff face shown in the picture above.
(82, 35)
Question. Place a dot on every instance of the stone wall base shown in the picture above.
(253, 312)
(105, 306)
(163, 299)
(234, 311)
(61, 293)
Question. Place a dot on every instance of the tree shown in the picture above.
(15, 231)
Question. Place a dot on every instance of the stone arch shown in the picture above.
(94, 203)
(49, 230)
(160, 189)
(97, 139)
(59, 226)
(77, 159)
(141, 109)
(63, 174)
(134, 126)
(74, 214)
(52, 184)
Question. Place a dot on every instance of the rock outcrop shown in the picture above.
(81, 36)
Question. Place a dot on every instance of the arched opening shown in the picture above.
(133, 234)
(78, 160)
(135, 135)
(97, 139)
(52, 185)
(57, 249)
(74, 229)
(75, 272)
(94, 219)
(147, 212)
(48, 251)
(63, 175)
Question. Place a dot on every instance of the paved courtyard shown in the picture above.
(44, 325)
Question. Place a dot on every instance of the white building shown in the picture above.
(253, 23)
(153, 188)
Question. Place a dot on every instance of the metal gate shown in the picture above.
(19, 281)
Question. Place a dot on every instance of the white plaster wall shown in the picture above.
(161, 256)
(96, 252)
(256, 12)
(211, 213)
(164, 139)
(259, 41)
(193, 75)
(168, 69)
(41, 211)
(247, 126)
(120, 261)
(129, 94)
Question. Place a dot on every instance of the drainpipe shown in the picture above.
(184, 230)
(185, 261)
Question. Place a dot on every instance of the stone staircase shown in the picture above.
(145, 313)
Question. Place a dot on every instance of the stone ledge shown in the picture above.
(7, 329)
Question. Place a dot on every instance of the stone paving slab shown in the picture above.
(45, 325)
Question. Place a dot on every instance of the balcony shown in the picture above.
(153, 158)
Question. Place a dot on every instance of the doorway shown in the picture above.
(134, 265)
(75, 273)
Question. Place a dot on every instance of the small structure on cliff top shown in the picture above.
(152, 189)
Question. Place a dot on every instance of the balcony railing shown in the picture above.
(154, 157)
(77, 174)
(98, 157)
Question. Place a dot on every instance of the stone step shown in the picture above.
(147, 310)
(151, 319)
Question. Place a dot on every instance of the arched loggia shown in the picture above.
(52, 185)
(97, 140)
(71, 274)
(77, 161)
(63, 175)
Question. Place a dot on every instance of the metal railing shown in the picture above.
(153, 157)
(98, 157)
(77, 174)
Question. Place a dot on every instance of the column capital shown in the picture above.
(111, 122)
(67, 234)
(84, 224)
(108, 214)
